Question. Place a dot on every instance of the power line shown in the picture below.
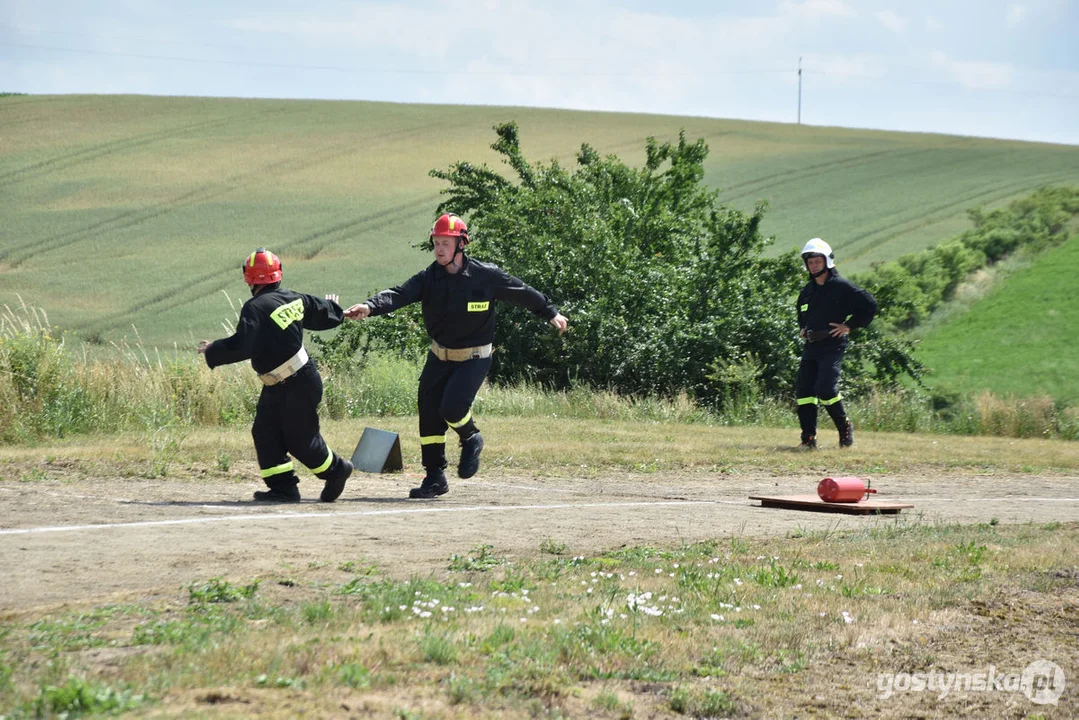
(943, 84)
(518, 72)
(394, 71)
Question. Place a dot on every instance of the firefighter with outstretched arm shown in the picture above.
(457, 295)
(270, 334)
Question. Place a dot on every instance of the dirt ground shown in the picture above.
(72, 538)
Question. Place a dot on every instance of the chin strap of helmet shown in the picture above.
(805, 259)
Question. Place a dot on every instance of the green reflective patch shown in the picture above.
(288, 313)
(804, 307)
(479, 306)
(462, 421)
(276, 469)
(324, 466)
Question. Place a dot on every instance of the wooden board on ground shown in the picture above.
(814, 503)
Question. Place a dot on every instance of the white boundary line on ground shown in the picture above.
(335, 515)
(453, 509)
(1016, 498)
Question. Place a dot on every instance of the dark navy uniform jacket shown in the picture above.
(270, 330)
(459, 308)
(837, 300)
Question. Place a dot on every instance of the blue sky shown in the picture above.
(966, 67)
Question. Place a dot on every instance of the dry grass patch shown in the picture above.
(742, 627)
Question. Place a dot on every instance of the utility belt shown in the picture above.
(818, 335)
(445, 354)
(286, 369)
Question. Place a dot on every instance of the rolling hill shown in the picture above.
(1019, 340)
(124, 212)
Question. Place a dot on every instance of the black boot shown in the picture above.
(470, 455)
(283, 489)
(807, 418)
(335, 476)
(434, 483)
(846, 435)
(839, 416)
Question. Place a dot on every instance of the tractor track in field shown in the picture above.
(19, 254)
(814, 170)
(95, 152)
(221, 279)
(929, 216)
(818, 169)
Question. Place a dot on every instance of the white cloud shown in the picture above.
(933, 25)
(1016, 13)
(892, 21)
(974, 75)
(816, 8)
(845, 67)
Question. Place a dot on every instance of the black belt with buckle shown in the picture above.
(818, 335)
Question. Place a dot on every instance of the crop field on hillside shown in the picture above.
(127, 215)
(1023, 332)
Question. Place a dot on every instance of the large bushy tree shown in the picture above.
(667, 289)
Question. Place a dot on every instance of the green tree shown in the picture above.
(667, 289)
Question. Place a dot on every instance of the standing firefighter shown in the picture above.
(828, 307)
(270, 335)
(457, 295)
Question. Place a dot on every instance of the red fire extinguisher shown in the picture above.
(843, 490)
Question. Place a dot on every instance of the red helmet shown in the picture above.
(262, 268)
(450, 226)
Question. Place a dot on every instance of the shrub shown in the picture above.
(667, 290)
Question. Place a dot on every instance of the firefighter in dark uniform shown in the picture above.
(457, 295)
(829, 306)
(270, 335)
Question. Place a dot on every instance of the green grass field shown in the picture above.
(1019, 340)
(134, 212)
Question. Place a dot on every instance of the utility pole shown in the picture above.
(799, 90)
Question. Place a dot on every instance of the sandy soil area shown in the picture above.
(73, 538)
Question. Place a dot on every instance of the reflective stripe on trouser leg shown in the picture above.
(325, 464)
(807, 401)
(462, 421)
(276, 470)
(433, 439)
(465, 428)
(833, 401)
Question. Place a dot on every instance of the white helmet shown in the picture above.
(816, 246)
